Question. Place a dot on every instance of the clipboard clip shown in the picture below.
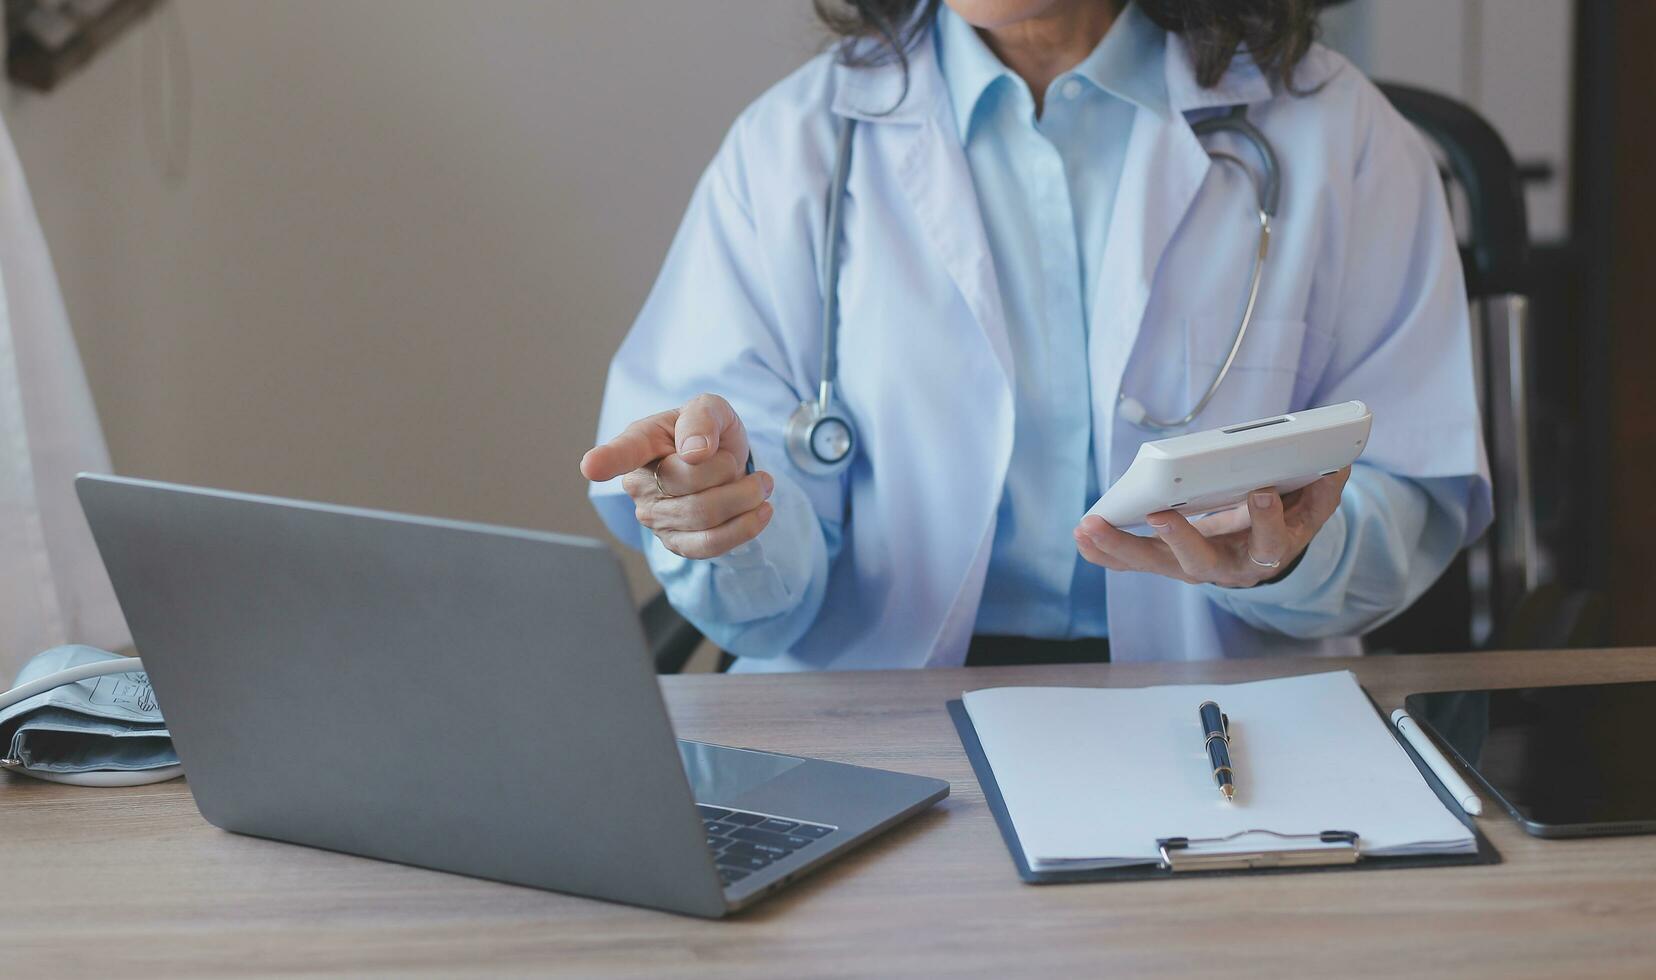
(1329, 847)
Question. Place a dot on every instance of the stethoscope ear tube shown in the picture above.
(804, 436)
(1269, 187)
(1266, 191)
(830, 267)
(821, 440)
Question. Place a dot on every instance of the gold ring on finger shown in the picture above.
(655, 468)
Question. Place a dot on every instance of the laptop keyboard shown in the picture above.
(744, 842)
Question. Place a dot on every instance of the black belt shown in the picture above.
(1002, 651)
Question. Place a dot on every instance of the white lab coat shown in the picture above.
(53, 589)
(1362, 297)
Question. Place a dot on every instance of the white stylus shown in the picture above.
(1440, 766)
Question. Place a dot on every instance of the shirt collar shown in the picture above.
(1129, 63)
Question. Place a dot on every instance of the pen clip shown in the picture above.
(1224, 724)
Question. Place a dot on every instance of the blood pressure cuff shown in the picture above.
(98, 724)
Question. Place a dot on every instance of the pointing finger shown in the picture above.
(645, 440)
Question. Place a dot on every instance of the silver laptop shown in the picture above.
(461, 697)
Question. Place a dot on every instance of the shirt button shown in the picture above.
(1071, 89)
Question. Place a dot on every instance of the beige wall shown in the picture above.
(409, 237)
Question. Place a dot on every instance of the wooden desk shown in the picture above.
(132, 882)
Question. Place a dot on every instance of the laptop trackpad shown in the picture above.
(720, 774)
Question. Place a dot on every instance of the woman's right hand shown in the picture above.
(686, 471)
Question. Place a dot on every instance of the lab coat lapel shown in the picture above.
(934, 177)
(1164, 169)
(938, 183)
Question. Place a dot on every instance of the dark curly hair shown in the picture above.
(1276, 33)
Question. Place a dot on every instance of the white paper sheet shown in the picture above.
(1092, 777)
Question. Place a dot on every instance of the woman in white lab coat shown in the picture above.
(1034, 236)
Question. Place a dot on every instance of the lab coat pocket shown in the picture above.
(1275, 369)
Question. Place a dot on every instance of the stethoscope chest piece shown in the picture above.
(820, 441)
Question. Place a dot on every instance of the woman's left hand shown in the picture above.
(1238, 548)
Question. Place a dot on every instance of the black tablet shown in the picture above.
(1564, 761)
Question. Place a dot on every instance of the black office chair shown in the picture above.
(671, 637)
(1494, 594)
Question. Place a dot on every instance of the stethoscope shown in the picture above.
(820, 437)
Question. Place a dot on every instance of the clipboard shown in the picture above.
(1331, 857)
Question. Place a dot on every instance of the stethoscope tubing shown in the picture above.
(1267, 192)
(829, 271)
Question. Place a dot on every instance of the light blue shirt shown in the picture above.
(1046, 190)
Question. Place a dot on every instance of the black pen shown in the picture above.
(1216, 737)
